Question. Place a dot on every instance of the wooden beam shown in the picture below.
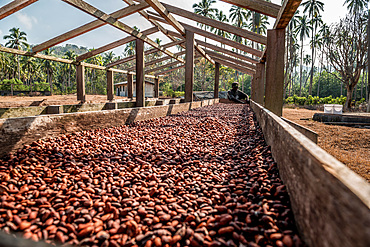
(173, 69)
(156, 5)
(286, 13)
(231, 59)
(140, 80)
(80, 79)
(110, 85)
(14, 6)
(225, 51)
(258, 84)
(130, 85)
(217, 24)
(217, 81)
(156, 88)
(114, 45)
(234, 66)
(189, 66)
(157, 60)
(275, 71)
(162, 67)
(87, 27)
(87, 8)
(148, 52)
(259, 6)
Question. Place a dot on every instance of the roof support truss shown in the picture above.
(14, 6)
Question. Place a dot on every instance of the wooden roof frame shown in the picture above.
(283, 15)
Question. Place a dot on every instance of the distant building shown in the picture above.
(121, 89)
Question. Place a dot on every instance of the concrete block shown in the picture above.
(54, 109)
(110, 106)
(159, 102)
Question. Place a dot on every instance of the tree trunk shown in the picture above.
(348, 103)
(300, 72)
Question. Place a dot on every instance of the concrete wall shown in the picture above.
(331, 203)
(22, 111)
(16, 132)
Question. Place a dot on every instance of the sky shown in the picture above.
(46, 19)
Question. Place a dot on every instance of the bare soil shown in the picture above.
(349, 145)
(24, 101)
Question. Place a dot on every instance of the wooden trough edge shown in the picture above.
(331, 203)
(17, 132)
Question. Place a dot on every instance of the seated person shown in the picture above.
(236, 95)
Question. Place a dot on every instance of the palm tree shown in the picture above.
(258, 24)
(303, 28)
(49, 67)
(204, 8)
(220, 16)
(313, 7)
(17, 40)
(71, 55)
(356, 6)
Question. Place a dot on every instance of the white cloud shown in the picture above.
(27, 21)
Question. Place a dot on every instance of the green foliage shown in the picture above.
(310, 100)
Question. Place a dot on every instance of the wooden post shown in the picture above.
(80, 78)
(110, 86)
(140, 80)
(156, 87)
(275, 71)
(217, 80)
(189, 66)
(258, 84)
(130, 85)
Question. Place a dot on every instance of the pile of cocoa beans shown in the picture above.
(200, 178)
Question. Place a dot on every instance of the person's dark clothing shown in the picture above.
(237, 96)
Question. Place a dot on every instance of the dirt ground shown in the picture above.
(349, 145)
(20, 101)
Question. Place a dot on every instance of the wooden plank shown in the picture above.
(217, 24)
(157, 6)
(258, 84)
(234, 66)
(189, 66)
(286, 13)
(274, 87)
(87, 27)
(148, 52)
(173, 69)
(130, 85)
(14, 6)
(217, 81)
(87, 8)
(231, 59)
(80, 79)
(114, 45)
(230, 53)
(110, 85)
(330, 202)
(259, 6)
(156, 88)
(162, 67)
(140, 79)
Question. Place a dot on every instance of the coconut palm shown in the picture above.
(204, 8)
(303, 28)
(17, 40)
(356, 6)
(49, 67)
(71, 55)
(220, 16)
(313, 8)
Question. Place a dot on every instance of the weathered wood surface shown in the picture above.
(217, 24)
(189, 66)
(258, 84)
(140, 79)
(217, 80)
(231, 59)
(80, 78)
(87, 27)
(274, 87)
(310, 134)
(331, 203)
(130, 86)
(110, 85)
(158, 60)
(259, 6)
(14, 6)
(286, 13)
(234, 66)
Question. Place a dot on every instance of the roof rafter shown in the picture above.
(217, 24)
(161, 10)
(166, 65)
(148, 52)
(173, 69)
(87, 27)
(234, 66)
(158, 60)
(231, 59)
(14, 6)
(121, 26)
(260, 6)
(114, 45)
